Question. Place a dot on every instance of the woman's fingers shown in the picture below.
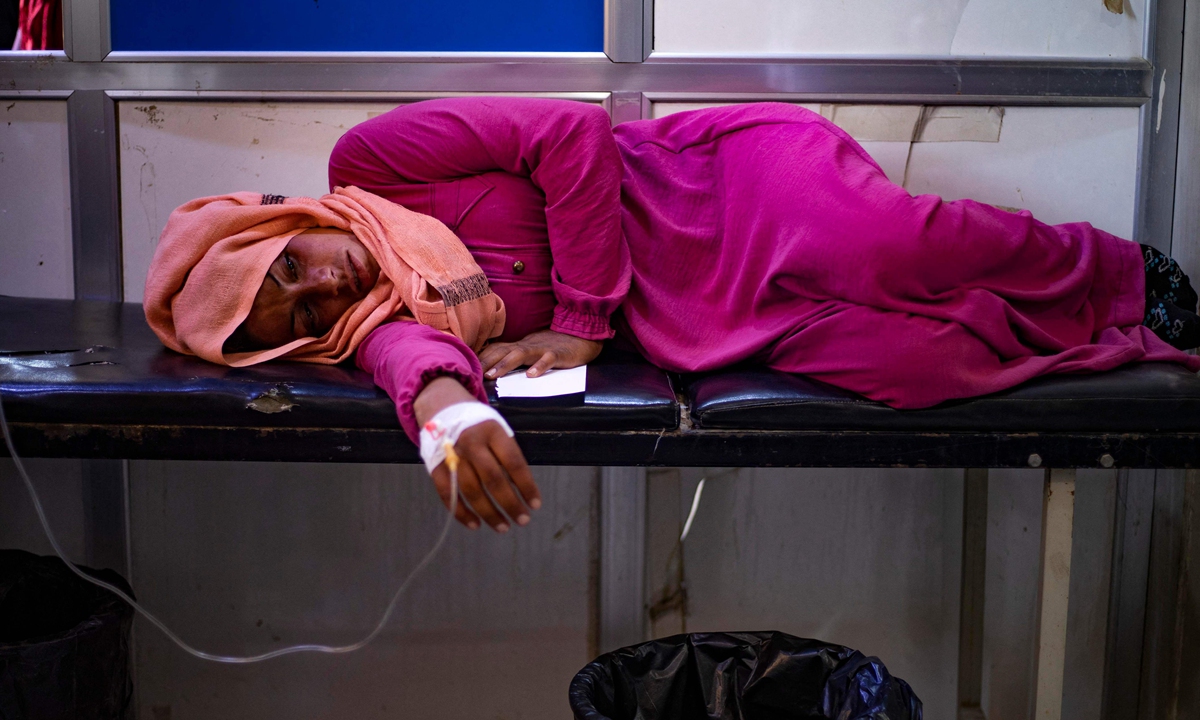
(513, 360)
(510, 456)
(475, 495)
(493, 354)
(495, 481)
(441, 481)
(543, 364)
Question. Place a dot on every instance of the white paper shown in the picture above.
(517, 384)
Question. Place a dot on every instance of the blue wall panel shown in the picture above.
(363, 25)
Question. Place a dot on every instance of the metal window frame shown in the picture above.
(87, 36)
(956, 81)
(625, 36)
(621, 588)
(628, 77)
(275, 96)
(1159, 126)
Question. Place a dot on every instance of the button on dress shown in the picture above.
(755, 233)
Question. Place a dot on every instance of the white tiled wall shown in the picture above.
(35, 200)
(1080, 28)
(248, 557)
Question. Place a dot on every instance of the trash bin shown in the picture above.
(739, 676)
(64, 643)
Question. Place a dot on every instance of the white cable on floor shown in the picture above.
(451, 461)
(687, 526)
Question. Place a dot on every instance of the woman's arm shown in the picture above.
(425, 371)
(565, 148)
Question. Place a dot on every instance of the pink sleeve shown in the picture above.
(565, 148)
(404, 356)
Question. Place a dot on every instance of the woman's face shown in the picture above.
(313, 282)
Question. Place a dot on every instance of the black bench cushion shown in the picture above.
(1150, 397)
(93, 362)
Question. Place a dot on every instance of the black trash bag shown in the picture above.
(739, 676)
(64, 643)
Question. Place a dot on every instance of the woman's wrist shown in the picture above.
(439, 394)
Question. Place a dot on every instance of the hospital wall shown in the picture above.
(35, 200)
(243, 557)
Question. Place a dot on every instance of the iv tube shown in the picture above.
(451, 463)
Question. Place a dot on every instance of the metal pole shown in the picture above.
(623, 30)
(1058, 522)
(86, 36)
(622, 557)
(1159, 126)
(95, 220)
(971, 596)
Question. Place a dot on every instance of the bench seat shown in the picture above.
(88, 362)
(89, 379)
(1150, 397)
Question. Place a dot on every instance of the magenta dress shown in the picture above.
(756, 233)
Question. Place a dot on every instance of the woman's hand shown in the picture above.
(493, 477)
(542, 350)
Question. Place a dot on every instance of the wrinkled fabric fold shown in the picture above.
(764, 234)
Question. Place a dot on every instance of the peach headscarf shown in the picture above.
(215, 251)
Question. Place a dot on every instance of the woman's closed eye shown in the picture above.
(309, 321)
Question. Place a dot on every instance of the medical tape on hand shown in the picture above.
(448, 424)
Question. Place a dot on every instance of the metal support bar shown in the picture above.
(1187, 701)
(626, 106)
(86, 35)
(95, 223)
(978, 81)
(647, 28)
(666, 448)
(104, 485)
(622, 557)
(95, 206)
(623, 34)
(1159, 125)
(1127, 593)
(971, 597)
(1185, 238)
(1160, 649)
(1058, 517)
(666, 570)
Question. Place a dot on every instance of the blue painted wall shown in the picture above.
(379, 25)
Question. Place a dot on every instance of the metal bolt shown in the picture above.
(1035, 460)
(1106, 460)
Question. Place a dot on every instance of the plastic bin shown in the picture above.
(64, 643)
(739, 676)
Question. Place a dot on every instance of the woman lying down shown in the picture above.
(468, 237)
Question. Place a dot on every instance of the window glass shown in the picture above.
(358, 25)
(1007, 28)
